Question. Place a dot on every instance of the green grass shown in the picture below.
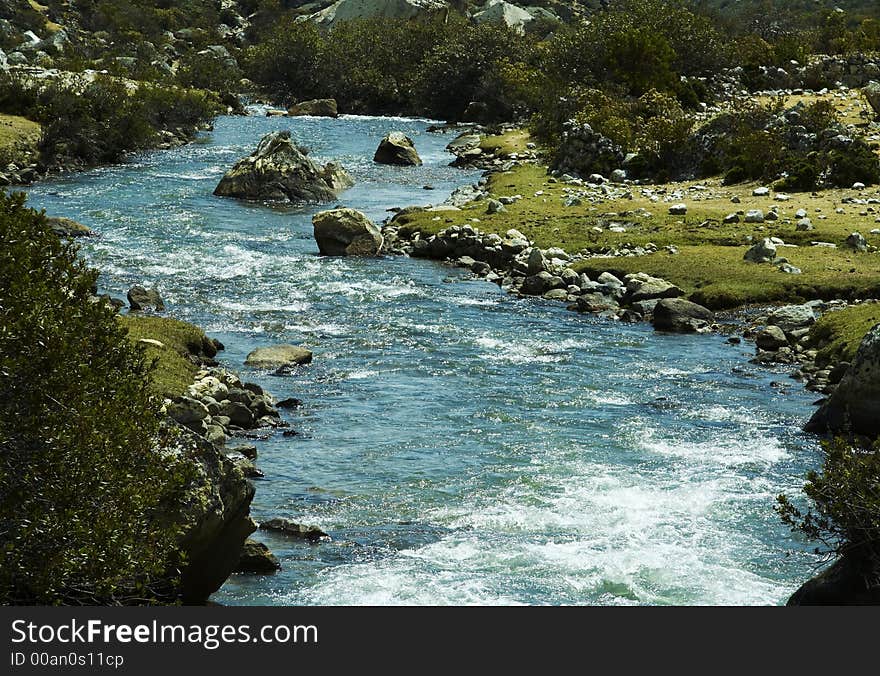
(838, 334)
(719, 278)
(710, 266)
(18, 136)
(506, 144)
(174, 372)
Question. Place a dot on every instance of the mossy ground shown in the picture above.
(18, 137)
(839, 333)
(174, 372)
(709, 265)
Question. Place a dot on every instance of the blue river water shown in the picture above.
(460, 445)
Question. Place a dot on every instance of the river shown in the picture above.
(460, 445)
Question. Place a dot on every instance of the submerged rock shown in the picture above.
(397, 148)
(279, 170)
(346, 232)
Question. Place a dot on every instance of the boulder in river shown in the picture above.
(140, 299)
(841, 584)
(257, 559)
(315, 107)
(680, 316)
(854, 407)
(397, 148)
(280, 170)
(346, 232)
(278, 356)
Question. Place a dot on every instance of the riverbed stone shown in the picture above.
(141, 299)
(346, 232)
(771, 338)
(641, 286)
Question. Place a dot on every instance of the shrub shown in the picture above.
(845, 513)
(84, 494)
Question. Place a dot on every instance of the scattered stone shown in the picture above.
(856, 242)
(754, 216)
(762, 252)
(640, 286)
(804, 225)
(763, 191)
(678, 210)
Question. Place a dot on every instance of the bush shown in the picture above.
(84, 494)
(845, 513)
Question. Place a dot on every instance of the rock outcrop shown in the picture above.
(346, 232)
(294, 530)
(315, 107)
(280, 170)
(67, 227)
(840, 584)
(397, 148)
(216, 519)
(854, 407)
(346, 10)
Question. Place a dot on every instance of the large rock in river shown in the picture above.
(346, 232)
(280, 170)
(681, 316)
(397, 148)
(854, 407)
(316, 107)
(278, 356)
(841, 584)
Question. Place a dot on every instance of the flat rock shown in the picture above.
(278, 356)
(296, 530)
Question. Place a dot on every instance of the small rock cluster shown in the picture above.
(516, 265)
(219, 405)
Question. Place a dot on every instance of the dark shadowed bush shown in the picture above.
(84, 494)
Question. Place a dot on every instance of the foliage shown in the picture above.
(845, 512)
(84, 495)
(100, 121)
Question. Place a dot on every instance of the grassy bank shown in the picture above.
(709, 264)
(838, 334)
(18, 139)
(179, 341)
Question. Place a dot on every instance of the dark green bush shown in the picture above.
(84, 494)
(844, 516)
